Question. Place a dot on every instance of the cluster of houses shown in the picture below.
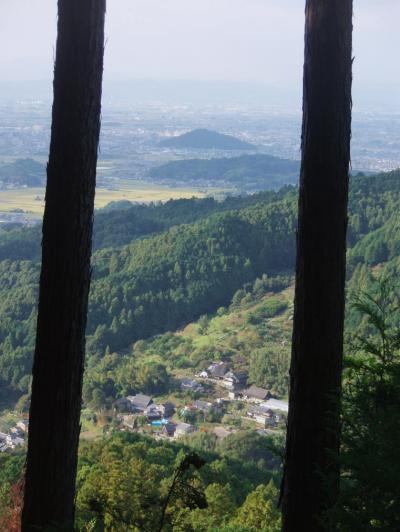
(260, 406)
(221, 372)
(156, 414)
(218, 372)
(15, 437)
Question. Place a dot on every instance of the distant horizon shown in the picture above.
(381, 97)
(247, 43)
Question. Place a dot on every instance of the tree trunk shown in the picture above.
(65, 276)
(311, 476)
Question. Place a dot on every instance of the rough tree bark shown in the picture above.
(65, 275)
(311, 476)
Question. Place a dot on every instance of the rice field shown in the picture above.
(31, 200)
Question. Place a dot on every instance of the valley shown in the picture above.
(191, 305)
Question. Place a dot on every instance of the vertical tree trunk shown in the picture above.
(65, 275)
(311, 477)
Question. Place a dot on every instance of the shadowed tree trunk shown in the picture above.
(65, 275)
(311, 477)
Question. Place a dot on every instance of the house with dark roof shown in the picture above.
(169, 429)
(139, 402)
(234, 379)
(256, 394)
(167, 409)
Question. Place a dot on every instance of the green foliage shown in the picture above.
(124, 482)
(10, 468)
(269, 369)
(116, 227)
(370, 494)
(159, 282)
(152, 285)
(247, 172)
(259, 511)
(152, 378)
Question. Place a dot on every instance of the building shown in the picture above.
(183, 429)
(203, 406)
(234, 379)
(169, 429)
(17, 432)
(23, 425)
(167, 409)
(13, 441)
(3, 442)
(159, 411)
(255, 394)
(153, 412)
(189, 384)
(217, 370)
(276, 404)
(139, 402)
(234, 395)
(262, 415)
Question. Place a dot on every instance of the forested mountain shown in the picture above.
(206, 140)
(247, 172)
(161, 281)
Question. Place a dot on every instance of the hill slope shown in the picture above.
(252, 334)
(206, 140)
(247, 172)
(161, 282)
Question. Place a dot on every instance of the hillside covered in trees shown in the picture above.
(184, 259)
(247, 172)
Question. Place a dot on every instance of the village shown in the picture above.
(15, 437)
(217, 400)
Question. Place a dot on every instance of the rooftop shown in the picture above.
(140, 400)
(256, 392)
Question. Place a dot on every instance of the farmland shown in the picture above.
(31, 199)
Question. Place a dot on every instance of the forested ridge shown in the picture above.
(176, 268)
(121, 226)
(247, 172)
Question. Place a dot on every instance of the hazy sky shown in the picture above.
(235, 40)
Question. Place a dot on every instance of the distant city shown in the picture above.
(132, 133)
(133, 149)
